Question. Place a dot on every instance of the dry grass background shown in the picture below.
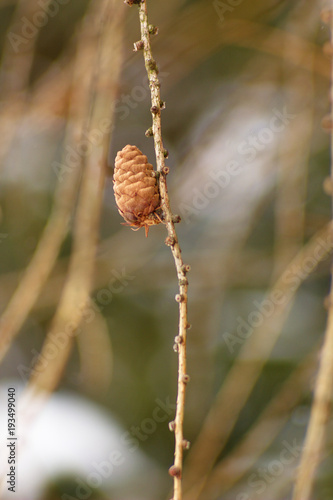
(259, 233)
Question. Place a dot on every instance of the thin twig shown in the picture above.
(172, 241)
(320, 412)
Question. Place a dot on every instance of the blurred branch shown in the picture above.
(232, 468)
(16, 64)
(253, 354)
(294, 150)
(322, 402)
(96, 358)
(273, 41)
(107, 21)
(48, 247)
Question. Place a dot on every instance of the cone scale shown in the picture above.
(136, 189)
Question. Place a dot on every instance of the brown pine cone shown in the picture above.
(136, 189)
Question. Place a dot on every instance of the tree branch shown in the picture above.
(171, 240)
(320, 412)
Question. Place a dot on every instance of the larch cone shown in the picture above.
(136, 189)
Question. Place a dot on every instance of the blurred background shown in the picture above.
(246, 88)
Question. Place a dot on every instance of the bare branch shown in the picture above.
(172, 240)
(320, 412)
(77, 287)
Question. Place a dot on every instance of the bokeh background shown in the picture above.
(246, 88)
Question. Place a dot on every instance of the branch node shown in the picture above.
(131, 2)
(186, 444)
(170, 241)
(185, 378)
(138, 46)
(172, 425)
(175, 471)
(165, 170)
(152, 65)
(179, 339)
(155, 110)
(183, 282)
(186, 268)
(179, 297)
(153, 30)
(149, 132)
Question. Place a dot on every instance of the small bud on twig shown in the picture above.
(179, 297)
(138, 45)
(179, 339)
(153, 30)
(152, 65)
(175, 471)
(165, 151)
(186, 444)
(149, 132)
(175, 347)
(188, 326)
(165, 170)
(155, 110)
(186, 268)
(176, 219)
(170, 241)
(186, 378)
(162, 104)
(172, 425)
(131, 2)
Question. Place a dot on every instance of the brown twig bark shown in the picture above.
(172, 240)
(320, 412)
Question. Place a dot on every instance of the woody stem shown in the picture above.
(172, 241)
